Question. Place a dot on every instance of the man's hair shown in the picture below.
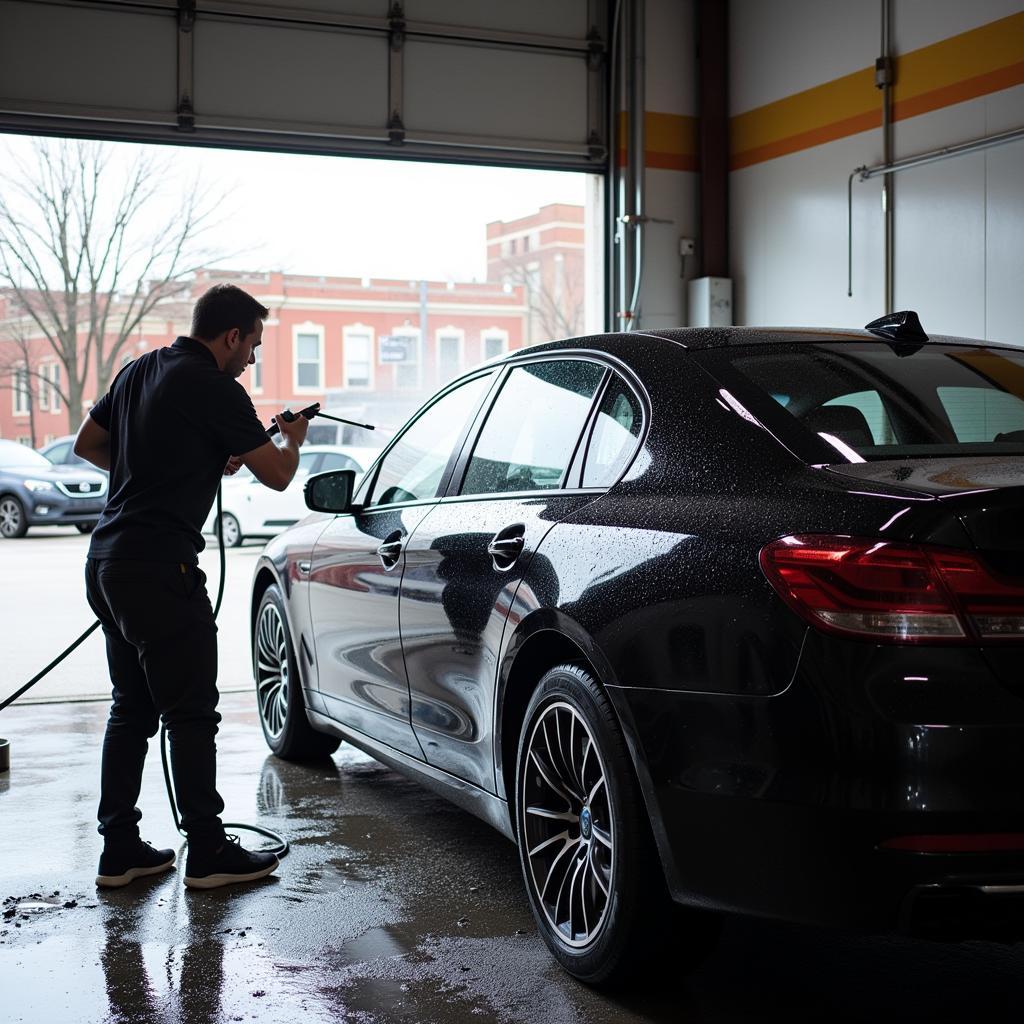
(223, 308)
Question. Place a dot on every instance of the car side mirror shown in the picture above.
(331, 491)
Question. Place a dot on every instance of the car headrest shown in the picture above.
(845, 422)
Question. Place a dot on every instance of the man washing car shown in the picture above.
(172, 423)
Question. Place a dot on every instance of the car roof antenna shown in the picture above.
(902, 330)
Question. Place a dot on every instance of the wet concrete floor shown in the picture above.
(392, 906)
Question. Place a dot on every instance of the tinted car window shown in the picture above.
(305, 467)
(884, 402)
(335, 460)
(982, 414)
(59, 453)
(613, 440)
(414, 465)
(532, 429)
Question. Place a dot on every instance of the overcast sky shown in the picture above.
(340, 216)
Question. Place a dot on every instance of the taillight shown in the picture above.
(893, 593)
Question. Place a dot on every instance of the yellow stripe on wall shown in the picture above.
(670, 141)
(963, 67)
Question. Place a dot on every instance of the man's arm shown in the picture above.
(93, 443)
(275, 465)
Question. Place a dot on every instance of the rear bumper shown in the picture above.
(777, 807)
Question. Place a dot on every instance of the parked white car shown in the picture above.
(251, 510)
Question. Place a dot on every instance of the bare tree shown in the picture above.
(85, 255)
(555, 305)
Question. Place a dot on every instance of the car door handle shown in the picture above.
(507, 545)
(391, 550)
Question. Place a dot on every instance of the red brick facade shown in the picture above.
(336, 340)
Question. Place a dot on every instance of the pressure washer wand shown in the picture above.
(309, 412)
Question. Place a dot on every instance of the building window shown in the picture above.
(357, 357)
(407, 372)
(49, 387)
(22, 395)
(257, 368)
(309, 358)
(449, 353)
(495, 343)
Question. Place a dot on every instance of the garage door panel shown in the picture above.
(335, 9)
(567, 18)
(468, 80)
(303, 75)
(87, 57)
(451, 88)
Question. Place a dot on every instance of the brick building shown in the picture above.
(371, 350)
(543, 253)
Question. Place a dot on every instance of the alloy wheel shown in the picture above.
(230, 531)
(272, 670)
(11, 515)
(567, 824)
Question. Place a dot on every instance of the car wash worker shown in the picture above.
(174, 421)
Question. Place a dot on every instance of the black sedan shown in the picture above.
(35, 492)
(709, 620)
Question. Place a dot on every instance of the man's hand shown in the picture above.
(294, 431)
(233, 466)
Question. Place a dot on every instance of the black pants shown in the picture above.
(162, 652)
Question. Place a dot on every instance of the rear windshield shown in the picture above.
(868, 398)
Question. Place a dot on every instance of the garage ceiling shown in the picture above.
(512, 83)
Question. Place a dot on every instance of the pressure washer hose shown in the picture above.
(281, 846)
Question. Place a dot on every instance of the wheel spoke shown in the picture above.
(546, 774)
(602, 836)
(562, 836)
(553, 762)
(595, 873)
(593, 792)
(565, 888)
(555, 864)
(543, 812)
(578, 874)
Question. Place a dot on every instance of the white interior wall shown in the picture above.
(958, 224)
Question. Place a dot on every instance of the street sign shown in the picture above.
(397, 348)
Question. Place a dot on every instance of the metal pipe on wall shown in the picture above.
(628, 174)
(637, 153)
(884, 80)
(908, 164)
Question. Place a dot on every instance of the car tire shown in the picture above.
(279, 699)
(85, 527)
(230, 531)
(594, 880)
(13, 520)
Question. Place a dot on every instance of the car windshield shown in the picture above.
(18, 456)
(886, 401)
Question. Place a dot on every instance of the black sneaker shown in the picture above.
(226, 865)
(120, 865)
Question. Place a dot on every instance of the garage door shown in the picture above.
(471, 80)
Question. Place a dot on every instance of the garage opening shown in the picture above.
(385, 280)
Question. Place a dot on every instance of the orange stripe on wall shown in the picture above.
(927, 79)
(959, 92)
(805, 140)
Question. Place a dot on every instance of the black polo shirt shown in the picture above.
(174, 418)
